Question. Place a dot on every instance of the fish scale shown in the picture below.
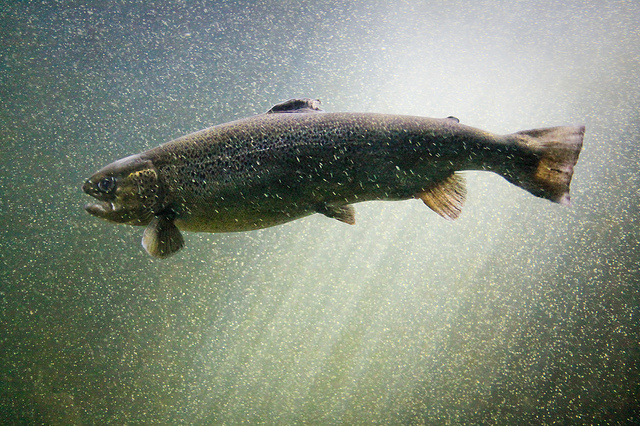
(296, 160)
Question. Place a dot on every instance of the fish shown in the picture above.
(296, 160)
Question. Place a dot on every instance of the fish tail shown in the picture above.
(546, 168)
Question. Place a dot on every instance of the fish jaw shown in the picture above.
(122, 199)
(103, 210)
(110, 212)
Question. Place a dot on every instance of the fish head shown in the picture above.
(126, 191)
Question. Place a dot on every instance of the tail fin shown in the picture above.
(552, 154)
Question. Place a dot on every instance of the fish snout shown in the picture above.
(102, 208)
(87, 187)
(102, 189)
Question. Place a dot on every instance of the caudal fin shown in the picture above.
(547, 166)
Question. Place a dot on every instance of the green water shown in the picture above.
(519, 312)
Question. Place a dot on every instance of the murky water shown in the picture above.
(521, 311)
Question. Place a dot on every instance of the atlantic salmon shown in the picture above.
(296, 160)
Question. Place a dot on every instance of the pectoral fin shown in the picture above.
(162, 238)
(447, 197)
(346, 214)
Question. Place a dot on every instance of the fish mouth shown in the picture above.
(112, 209)
(110, 212)
(102, 209)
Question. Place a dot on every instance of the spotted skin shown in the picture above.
(296, 160)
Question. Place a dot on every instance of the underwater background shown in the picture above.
(520, 312)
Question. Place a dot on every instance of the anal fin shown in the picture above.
(162, 238)
(346, 213)
(447, 197)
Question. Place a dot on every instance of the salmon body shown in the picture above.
(296, 160)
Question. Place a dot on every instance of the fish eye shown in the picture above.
(107, 185)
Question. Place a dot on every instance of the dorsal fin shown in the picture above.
(452, 118)
(447, 197)
(303, 105)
